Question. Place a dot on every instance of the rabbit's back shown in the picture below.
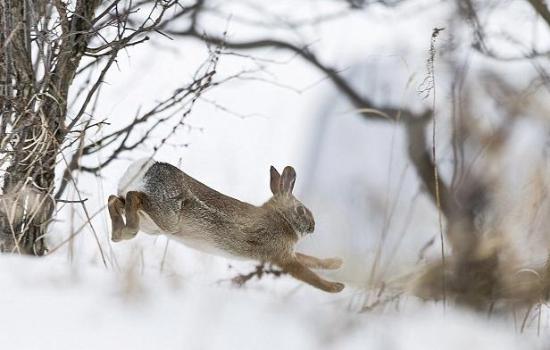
(186, 209)
(170, 190)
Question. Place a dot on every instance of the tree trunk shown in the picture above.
(33, 119)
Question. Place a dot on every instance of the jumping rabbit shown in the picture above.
(158, 198)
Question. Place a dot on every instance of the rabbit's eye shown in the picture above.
(301, 210)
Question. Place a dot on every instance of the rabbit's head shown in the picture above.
(294, 212)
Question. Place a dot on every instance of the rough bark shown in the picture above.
(33, 121)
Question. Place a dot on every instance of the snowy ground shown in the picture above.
(51, 304)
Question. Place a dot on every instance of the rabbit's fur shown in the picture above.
(158, 198)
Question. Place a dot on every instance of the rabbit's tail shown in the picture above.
(132, 180)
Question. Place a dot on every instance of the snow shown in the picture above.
(51, 304)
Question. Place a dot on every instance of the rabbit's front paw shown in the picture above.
(335, 287)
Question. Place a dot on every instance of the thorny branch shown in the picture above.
(259, 271)
(44, 43)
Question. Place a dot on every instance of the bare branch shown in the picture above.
(542, 9)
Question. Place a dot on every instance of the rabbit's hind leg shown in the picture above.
(116, 208)
(133, 204)
(316, 263)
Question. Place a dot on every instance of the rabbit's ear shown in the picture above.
(275, 181)
(288, 179)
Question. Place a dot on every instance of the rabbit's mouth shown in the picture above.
(304, 231)
(310, 228)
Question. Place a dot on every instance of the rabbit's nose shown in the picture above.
(311, 227)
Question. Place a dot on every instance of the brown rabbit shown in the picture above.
(158, 198)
